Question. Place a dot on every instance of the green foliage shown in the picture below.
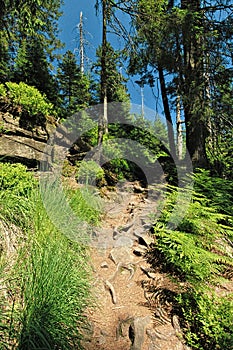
(198, 251)
(89, 171)
(116, 89)
(190, 249)
(3, 92)
(217, 189)
(29, 98)
(86, 204)
(46, 274)
(208, 319)
(33, 68)
(15, 179)
(16, 185)
(74, 85)
(26, 102)
(55, 288)
(166, 33)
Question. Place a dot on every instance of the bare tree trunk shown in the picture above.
(103, 119)
(171, 138)
(81, 43)
(179, 130)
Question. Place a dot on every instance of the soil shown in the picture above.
(129, 314)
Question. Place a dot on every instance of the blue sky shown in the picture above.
(69, 34)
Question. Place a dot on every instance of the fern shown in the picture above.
(199, 251)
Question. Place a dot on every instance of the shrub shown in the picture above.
(2, 91)
(208, 319)
(88, 172)
(29, 98)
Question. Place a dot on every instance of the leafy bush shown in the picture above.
(208, 319)
(88, 172)
(15, 178)
(2, 91)
(29, 98)
(26, 102)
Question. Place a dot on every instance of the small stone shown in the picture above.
(115, 234)
(128, 227)
(152, 275)
(123, 242)
(121, 254)
(140, 251)
(136, 331)
(147, 227)
(145, 239)
(138, 231)
(104, 265)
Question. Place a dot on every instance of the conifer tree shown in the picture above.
(32, 67)
(74, 85)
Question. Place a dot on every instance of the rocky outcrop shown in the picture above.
(21, 145)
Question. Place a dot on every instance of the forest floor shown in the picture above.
(132, 310)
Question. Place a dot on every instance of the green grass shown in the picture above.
(45, 282)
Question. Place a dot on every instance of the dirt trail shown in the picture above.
(129, 314)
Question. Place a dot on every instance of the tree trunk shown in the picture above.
(103, 119)
(171, 138)
(179, 130)
(193, 96)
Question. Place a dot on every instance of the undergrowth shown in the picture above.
(44, 277)
(198, 252)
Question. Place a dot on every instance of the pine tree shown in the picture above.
(32, 67)
(74, 85)
(115, 82)
(25, 26)
(188, 42)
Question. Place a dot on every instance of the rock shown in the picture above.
(140, 251)
(147, 227)
(137, 330)
(104, 265)
(21, 144)
(138, 231)
(121, 254)
(145, 239)
(116, 234)
(176, 324)
(128, 228)
(123, 242)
